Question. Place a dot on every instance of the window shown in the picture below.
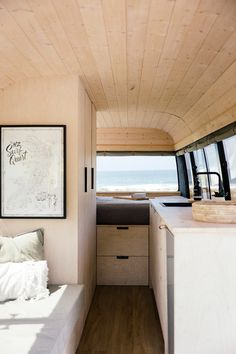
(136, 173)
(213, 164)
(200, 162)
(230, 152)
(189, 172)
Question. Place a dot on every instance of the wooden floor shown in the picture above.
(122, 320)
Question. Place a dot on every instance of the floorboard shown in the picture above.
(122, 320)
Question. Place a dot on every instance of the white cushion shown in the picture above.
(42, 327)
(25, 280)
(23, 247)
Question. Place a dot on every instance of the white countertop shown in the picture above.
(179, 220)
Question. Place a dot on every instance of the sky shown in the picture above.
(135, 163)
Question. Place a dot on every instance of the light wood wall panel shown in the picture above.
(133, 139)
(158, 64)
(70, 244)
(49, 101)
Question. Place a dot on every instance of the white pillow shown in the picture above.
(23, 247)
(26, 280)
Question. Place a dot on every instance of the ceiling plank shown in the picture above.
(16, 58)
(17, 37)
(157, 30)
(138, 12)
(180, 22)
(24, 17)
(217, 53)
(225, 82)
(93, 20)
(71, 19)
(158, 64)
(46, 16)
(116, 38)
(201, 25)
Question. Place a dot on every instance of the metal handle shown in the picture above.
(122, 227)
(92, 178)
(161, 227)
(85, 179)
(122, 257)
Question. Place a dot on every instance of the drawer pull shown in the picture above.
(122, 257)
(122, 227)
(161, 227)
(92, 178)
(85, 179)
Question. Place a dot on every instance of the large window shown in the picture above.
(136, 173)
(213, 164)
(200, 162)
(230, 152)
(207, 160)
(189, 172)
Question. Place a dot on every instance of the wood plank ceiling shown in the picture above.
(165, 64)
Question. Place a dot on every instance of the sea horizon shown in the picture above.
(137, 180)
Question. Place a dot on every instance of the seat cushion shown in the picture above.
(43, 326)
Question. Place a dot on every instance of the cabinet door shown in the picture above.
(113, 270)
(92, 184)
(152, 248)
(88, 140)
(122, 240)
(162, 278)
(158, 267)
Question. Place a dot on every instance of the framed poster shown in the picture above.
(33, 171)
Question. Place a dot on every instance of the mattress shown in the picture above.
(112, 211)
(44, 326)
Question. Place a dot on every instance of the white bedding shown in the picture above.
(43, 326)
(23, 280)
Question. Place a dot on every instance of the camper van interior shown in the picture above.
(117, 176)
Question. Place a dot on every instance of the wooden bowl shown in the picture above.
(214, 211)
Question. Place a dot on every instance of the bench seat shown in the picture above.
(48, 326)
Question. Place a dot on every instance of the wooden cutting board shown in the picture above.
(130, 198)
(214, 211)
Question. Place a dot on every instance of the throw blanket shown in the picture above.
(26, 280)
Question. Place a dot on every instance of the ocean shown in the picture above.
(162, 180)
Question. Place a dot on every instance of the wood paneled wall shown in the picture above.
(133, 139)
(70, 244)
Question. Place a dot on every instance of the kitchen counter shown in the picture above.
(195, 285)
(179, 219)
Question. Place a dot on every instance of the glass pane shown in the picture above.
(230, 152)
(190, 172)
(136, 173)
(201, 167)
(213, 164)
(189, 168)
(200, 160)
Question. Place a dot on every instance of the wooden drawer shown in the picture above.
(122, 240)
(129, 271)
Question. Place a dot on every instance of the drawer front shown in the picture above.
(128, 271)
(122, 240)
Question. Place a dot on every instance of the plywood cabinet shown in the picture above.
(200, 269)
(87, 195)
(122, 255)
(158, 272)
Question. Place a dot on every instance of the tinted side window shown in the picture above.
(213, 164)
(201, 167)
(230, 152)
(190, 172)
